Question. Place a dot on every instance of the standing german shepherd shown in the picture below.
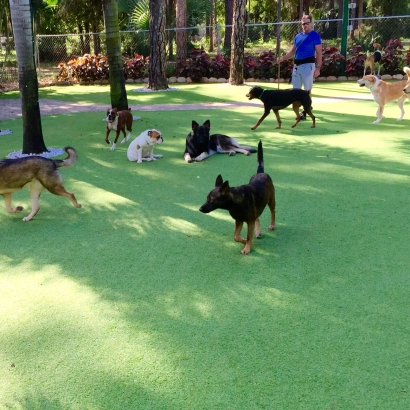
(39, 173)
(245, 203)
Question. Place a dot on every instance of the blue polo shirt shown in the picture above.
(305, 44)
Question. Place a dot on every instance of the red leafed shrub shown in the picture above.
(136, 67)
(331, 61)
(250, 66)
(219, 66)
(392, 57)
(355, 62)
(267, 65)
(89, 68)
(196, 66)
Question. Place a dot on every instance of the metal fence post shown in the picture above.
(343, 47)
(218, 37)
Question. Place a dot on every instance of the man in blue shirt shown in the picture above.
(307, 49)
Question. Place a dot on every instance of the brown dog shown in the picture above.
(40, 173)
(118, 121)
(372, 59)
(245, 203)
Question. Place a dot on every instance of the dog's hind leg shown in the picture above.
(309, 112)
(57, 188)
(257, 228)
(272, 206)
(278, 119)
(9, 207)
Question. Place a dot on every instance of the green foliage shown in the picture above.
(140, 15)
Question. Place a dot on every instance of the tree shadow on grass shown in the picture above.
(138, 300)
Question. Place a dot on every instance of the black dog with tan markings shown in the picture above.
(276, 100)
(38, 173)
(245, 203)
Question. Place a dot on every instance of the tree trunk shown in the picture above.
(228, 25)
(113, 41)
(181, 32)
(33, 142)
(157, 68)
(238, 43)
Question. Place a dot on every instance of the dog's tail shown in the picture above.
(70, 160)
(261, 168)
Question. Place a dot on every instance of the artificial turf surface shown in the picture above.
(139, 301)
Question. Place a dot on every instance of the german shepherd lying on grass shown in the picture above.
(39, 173)
(245, 203)
(200, 145)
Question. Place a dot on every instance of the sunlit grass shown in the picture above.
(139, 301)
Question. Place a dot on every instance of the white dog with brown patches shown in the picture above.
(384, 92)
(142, 147)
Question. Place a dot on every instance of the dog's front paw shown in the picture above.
(232, 153)
(112, 148)
(245, 250)
(107, 141)
(139, 161)
(123, 140)
(253, 128)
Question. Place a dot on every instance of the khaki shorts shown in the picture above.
(302, 75)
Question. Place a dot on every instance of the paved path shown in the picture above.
(11, 108)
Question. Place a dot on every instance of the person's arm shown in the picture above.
(318, 51)
(286, 56)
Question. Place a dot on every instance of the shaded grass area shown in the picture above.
(139, 301)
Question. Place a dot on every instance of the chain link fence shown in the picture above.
(51, 50)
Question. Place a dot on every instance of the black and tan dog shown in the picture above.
(200, 145)
(245, 203)
(118, 121)
(372, 59)
(39, 173)
(276, 100)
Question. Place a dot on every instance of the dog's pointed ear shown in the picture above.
(195, 125)
(207, 124)
(225, 186)
(219, 181)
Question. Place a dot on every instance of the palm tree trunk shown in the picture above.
(118, 92)
(33, 142)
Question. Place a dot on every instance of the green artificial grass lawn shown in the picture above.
(139, 301)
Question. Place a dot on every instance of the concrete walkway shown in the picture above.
(11, 108)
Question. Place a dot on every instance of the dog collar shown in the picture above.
(262, 93)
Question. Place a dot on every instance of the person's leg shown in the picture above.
(307, 71)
